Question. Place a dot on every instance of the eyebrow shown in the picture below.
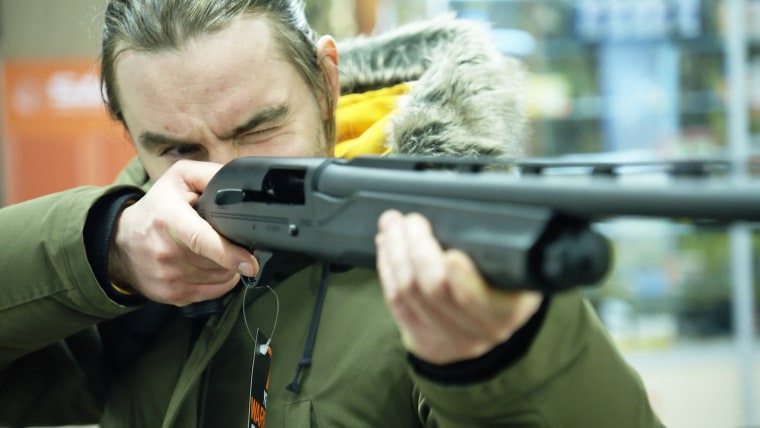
(274, 114)
(152, 140)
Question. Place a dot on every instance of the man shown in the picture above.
(90, 328)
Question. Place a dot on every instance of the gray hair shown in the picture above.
(161, 25)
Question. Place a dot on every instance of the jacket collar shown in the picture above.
(467, 98)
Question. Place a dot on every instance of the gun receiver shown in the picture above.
(529, 232)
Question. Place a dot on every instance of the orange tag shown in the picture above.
(262, 358)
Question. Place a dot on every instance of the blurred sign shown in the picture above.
(56, 132)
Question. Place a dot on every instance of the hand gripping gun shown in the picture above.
(523, 231)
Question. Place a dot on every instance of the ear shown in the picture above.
(327, 55)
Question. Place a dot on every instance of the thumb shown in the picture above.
(194, 175)
(196, 234)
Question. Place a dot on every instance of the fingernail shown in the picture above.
(382, 222)
(246, 269)
(455, 272)
(391, 226)
(387, 219)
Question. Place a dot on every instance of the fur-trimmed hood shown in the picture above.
(467, 98)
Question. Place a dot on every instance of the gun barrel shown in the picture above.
(590, 197)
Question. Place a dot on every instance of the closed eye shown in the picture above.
(182, 150)
(263, 122)
(257, 134)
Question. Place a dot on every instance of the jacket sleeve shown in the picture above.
(48, 289)
(49, 293)
(572, 375)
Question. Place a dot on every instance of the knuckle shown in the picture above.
(400, 294)
(158, 222)
(230, 279)
(403, 277)
(436, 288)
(180, 165)
(465, 297)
(162, 254)
(417, 224)
(394, 299)
(406, 285)
(173, 295)
(398, 297)
(417, 218)
(167, 278)
(194, 242)
(471, 345)
(502, 334)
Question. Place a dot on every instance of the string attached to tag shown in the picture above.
(276, 314)
(260, 367)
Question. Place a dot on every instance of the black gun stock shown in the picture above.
(523, 232)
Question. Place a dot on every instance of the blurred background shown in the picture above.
(625, 80)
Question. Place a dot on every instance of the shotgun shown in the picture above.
(523, 227)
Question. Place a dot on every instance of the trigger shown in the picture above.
(263, 257)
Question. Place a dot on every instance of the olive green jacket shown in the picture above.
(571, 375)
(58, 348)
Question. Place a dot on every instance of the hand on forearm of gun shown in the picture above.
(444, 308)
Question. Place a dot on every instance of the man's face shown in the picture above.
(222, 96)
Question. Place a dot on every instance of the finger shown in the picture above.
(395, 258)
(188, 288)
(498, 312)
(404, 315)
(426, 257)
(470, 289)
(194, 175)
(432, 279)
(202, 277)
(205, 292)
(191, 260)
(471, 294)
(194, 233)
(413, 265)
(395, 286)
(400, 258)
(435, 303)
(399, 282)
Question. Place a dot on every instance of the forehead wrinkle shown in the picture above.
(201, 102)
(151, 140)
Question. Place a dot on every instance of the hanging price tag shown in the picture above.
(262, 358)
